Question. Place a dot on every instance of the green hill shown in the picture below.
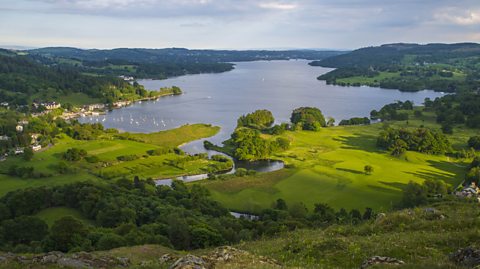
(408, 67)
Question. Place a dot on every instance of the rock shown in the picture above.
(123, 261)
(380, 216)
(189, 262)
(23, 260)
(167, 258)
(469, 257)
(381, 260)
(225, 254)
(50, 257)
(72, 263)
(5, 257)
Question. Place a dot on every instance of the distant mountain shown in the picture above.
(180, 55)
(163, 63)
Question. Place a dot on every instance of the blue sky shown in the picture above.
(236, 24)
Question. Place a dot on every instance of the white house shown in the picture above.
(95, 106)
(36, 147)
(4, 138)
(51, 105)
(18, 151)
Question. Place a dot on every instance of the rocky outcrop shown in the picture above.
(221, 256)
(468, 257)
(381, 260)
(190, 262)
(78, 260)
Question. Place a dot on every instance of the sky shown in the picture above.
(236, 24)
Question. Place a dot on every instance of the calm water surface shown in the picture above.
(219, 99)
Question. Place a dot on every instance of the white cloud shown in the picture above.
(458, 17)
(277, 6)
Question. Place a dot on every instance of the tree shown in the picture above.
(298, 210)
(109, 241)
(24, 229)
(68, 233)
(414, 194)
(280, 204)
(474, 142)
(368, 169)
(309, 118)
(28, 154)
(260, 119)
(398, 148)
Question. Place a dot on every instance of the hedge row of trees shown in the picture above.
(423, 140)
(355, 121)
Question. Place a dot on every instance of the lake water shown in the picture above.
(219, 99)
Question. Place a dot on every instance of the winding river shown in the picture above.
(219, 99)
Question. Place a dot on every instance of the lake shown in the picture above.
(219, 99)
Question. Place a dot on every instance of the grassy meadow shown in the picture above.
(328, 166)
(107, 148)
(50, 215)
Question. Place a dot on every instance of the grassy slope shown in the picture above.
(50, 215)
(107, 149)
(420, 239)
(328, 167)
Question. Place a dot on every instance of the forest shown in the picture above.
(24, 80)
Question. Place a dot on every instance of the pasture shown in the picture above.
(328, 167)
(107, 149)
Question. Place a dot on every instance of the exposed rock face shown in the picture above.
(469, 257)
(381, 260)
(190, 262)
(222, 256)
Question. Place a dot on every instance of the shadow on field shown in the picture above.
(350, 171)
(359, 142)
(383, 189)
(397, 185)
(427, 174)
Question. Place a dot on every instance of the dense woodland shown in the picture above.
(136, 212)
(24, 80)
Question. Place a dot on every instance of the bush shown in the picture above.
(74, 154)
(127, 158)
(109, 241)
(474, 142)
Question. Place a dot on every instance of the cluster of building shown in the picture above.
(34, 145)
(47, 105)
(127, 78)
(471, 191)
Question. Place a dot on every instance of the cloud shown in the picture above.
(237, 23)
(277, 6)
(459, 17)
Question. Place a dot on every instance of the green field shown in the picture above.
(107, 148)
(328, 166)
(50, 215)
(364, 80)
